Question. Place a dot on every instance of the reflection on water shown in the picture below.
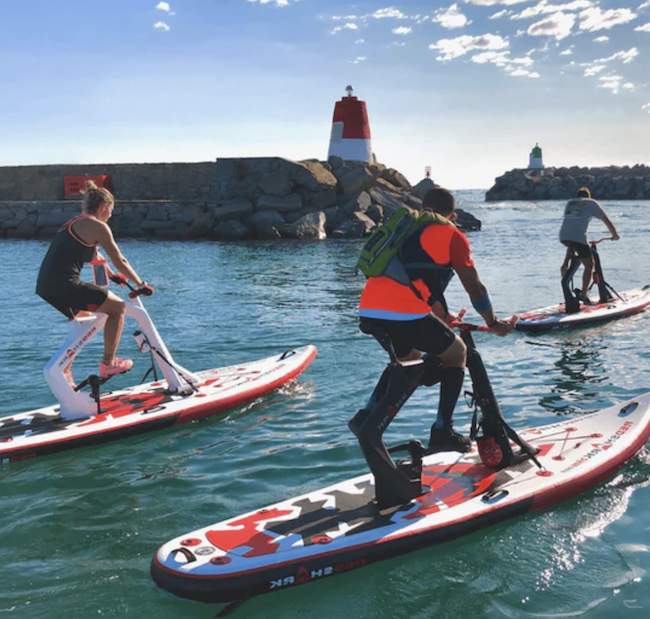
(575, 375)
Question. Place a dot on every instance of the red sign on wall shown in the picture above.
(72, 185)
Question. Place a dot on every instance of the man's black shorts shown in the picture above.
(77, 297)
(428, 334)
(583, 251)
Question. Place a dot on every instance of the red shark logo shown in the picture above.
(245, 532)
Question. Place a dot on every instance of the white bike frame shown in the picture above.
(76, 404)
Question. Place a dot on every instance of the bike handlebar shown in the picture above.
(468, 326)
(606, 238)
(135, 292)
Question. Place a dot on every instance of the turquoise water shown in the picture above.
(79, 529)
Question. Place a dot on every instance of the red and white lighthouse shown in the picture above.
(350, 137)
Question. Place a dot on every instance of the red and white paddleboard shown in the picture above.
(340, 528)
(148, 407)
(554, 317)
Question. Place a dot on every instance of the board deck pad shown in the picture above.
(148, 407)
(340, 528)
(555, 317)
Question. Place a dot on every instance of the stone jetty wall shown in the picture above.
(230, 199)
(608, 183)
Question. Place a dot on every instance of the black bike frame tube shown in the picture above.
(571, 304)
(487, 401)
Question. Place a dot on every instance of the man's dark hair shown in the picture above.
(439, 200)
(583, 192)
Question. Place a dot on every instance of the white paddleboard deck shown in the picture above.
(338, 529)
(149, 407)
(554, 316)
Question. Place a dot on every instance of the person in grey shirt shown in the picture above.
(573, 233)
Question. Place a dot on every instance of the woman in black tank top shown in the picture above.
(75, 244)
(58, 279)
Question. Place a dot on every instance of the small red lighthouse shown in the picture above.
(350, 137)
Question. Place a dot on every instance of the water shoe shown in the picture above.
(447, 439)
(117, 366)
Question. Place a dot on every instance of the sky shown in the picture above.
(467, 87)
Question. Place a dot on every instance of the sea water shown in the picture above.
(78, 529)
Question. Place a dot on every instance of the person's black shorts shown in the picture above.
(583, 251)
(428, 334)
(77, 297)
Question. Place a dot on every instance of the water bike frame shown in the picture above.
(76, 404)
(605, 291)
(400, 482)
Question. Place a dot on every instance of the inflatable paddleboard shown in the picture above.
(339, 529)
(148, 407)
(554, 317)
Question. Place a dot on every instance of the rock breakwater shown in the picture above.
(606, 183)
(230, 199)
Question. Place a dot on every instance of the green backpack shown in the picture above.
(381, 253)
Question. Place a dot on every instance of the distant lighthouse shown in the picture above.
(350, 138)
(535, 161)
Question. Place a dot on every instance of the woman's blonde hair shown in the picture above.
(94, 197)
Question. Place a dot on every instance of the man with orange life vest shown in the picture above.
(414, 316)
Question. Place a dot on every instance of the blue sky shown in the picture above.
(465, 87)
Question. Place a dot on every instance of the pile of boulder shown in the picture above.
(277, 198)
(607, 183)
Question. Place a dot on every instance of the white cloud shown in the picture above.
(594, 70)
(161, 25)
(344, 27)
(516, 67)
(645, 5)
(558, 25)
(610, 82)
(501, 59)
(453, 48)
(625, 57)
(163, 6)
(543, 8)
(277, 2)
(646, 107)
(494, 2)
(402, 30)
(525, 61)
(602, 39)
(360, 41)
(388, 12)
(450, 18)
(501, 14)
(595, 19)
(518, 72)
(359, 59)
(644, 28)
(568, 51)
(575, 5)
